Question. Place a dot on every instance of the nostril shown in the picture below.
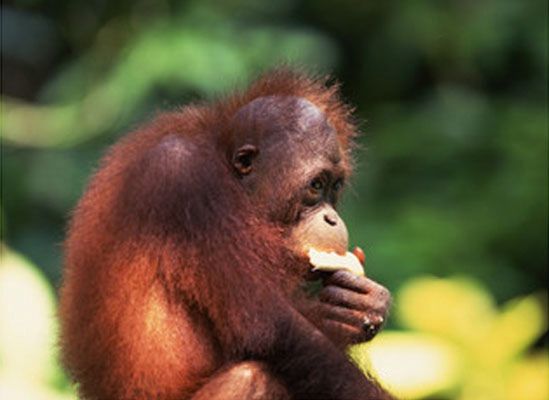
(330, 220)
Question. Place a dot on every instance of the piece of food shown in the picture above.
(331, 261)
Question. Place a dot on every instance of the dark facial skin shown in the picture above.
(270, 129)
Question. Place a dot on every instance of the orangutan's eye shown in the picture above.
(317, 185)
(338, 185)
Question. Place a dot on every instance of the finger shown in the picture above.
(342, 314)
(343, 297)
(369, 322)
(378, 295)
(351, 281)
(348, 280)
(351, 334)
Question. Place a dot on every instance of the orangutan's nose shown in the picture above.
(330, 219)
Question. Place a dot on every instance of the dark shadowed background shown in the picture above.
(450, 196)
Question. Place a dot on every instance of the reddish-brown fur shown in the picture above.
(173, 274)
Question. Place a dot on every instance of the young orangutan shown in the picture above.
(186, 257)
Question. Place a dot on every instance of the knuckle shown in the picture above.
(370, 281)
(384, 294)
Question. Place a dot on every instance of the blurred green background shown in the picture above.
(450, 196)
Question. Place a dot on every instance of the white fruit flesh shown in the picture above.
(324, 261)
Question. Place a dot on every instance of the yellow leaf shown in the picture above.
(410, 365)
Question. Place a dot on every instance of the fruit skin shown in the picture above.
(359, 253)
